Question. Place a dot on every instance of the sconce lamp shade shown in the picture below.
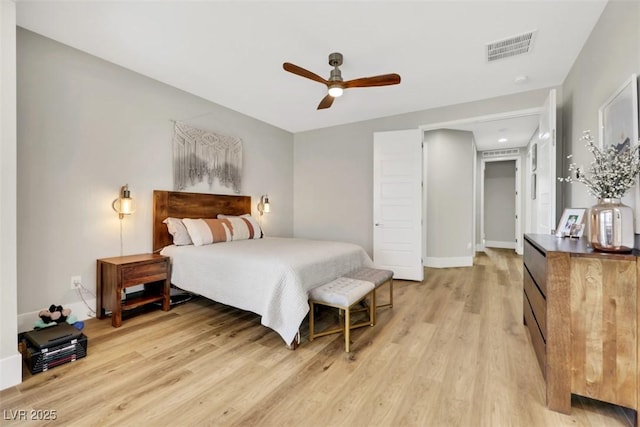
(124, 205)
(264, 206)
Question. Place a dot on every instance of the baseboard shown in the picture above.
(26, 321)
(438, 262)
(479, 247)
(499, 245)
(11, 370)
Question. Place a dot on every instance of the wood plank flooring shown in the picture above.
(452, 352)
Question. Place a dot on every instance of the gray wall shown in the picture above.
(333, 167)
(499, 201)
(449, 170)
(87, 127)
(608, 58)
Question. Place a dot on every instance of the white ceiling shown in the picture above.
(495, 134)
(231, 53)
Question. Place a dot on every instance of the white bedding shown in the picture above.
(269, 276)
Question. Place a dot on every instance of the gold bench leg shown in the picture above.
(311, 321)
(372, 308)
(345, 320)
(347, 328)
(390, 303)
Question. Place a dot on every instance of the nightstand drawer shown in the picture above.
(143, 273)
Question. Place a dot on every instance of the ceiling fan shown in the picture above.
(336, 84)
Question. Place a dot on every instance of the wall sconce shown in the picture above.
(124, 204)
(264, 206)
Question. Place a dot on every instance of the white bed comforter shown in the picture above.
(269, 276)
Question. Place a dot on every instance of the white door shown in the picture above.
(545, 167)
(397, 203)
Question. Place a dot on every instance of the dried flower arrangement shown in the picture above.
(613, 171)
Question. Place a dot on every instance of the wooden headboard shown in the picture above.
(191, 205)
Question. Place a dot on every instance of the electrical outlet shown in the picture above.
(75, 281)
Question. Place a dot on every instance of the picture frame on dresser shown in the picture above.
(576, 231)
(570, 217)
(618, 126)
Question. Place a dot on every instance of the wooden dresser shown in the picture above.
(581, 309)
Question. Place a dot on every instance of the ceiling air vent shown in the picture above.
(516, 45)
(500, 153)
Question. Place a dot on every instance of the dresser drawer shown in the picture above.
(539, 346)
(537, 302)
(144, 273)
(536, 263)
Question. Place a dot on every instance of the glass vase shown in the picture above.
(611, 226)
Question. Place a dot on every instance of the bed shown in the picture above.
(270, 276)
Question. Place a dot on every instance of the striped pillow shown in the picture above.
(207, 231)
(244, 226)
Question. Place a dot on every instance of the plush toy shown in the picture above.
(55, 313)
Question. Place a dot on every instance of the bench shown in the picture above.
(379, 278)
(342, 293)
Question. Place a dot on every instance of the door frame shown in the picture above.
(517, 201)
(451, 124)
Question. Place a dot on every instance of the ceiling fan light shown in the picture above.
(335, 91)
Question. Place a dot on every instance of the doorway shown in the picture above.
(518, 127)
(500, 203)
(493, 129)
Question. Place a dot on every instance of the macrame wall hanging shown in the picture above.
(199, 153)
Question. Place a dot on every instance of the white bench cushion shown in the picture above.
(375, 275)
(342, 292)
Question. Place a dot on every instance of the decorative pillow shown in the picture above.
(244, 226)
(239, 228)
(207, 231)
(178, 231)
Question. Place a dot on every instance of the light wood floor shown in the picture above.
(452, 352)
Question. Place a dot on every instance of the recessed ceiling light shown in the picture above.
(503, 140)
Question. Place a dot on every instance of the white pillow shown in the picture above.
(178, 231)
(207, 231)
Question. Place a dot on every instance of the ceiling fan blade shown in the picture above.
(382, 80)
(326, 102)
(302, 72)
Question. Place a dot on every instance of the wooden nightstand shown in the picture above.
(117, 273)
